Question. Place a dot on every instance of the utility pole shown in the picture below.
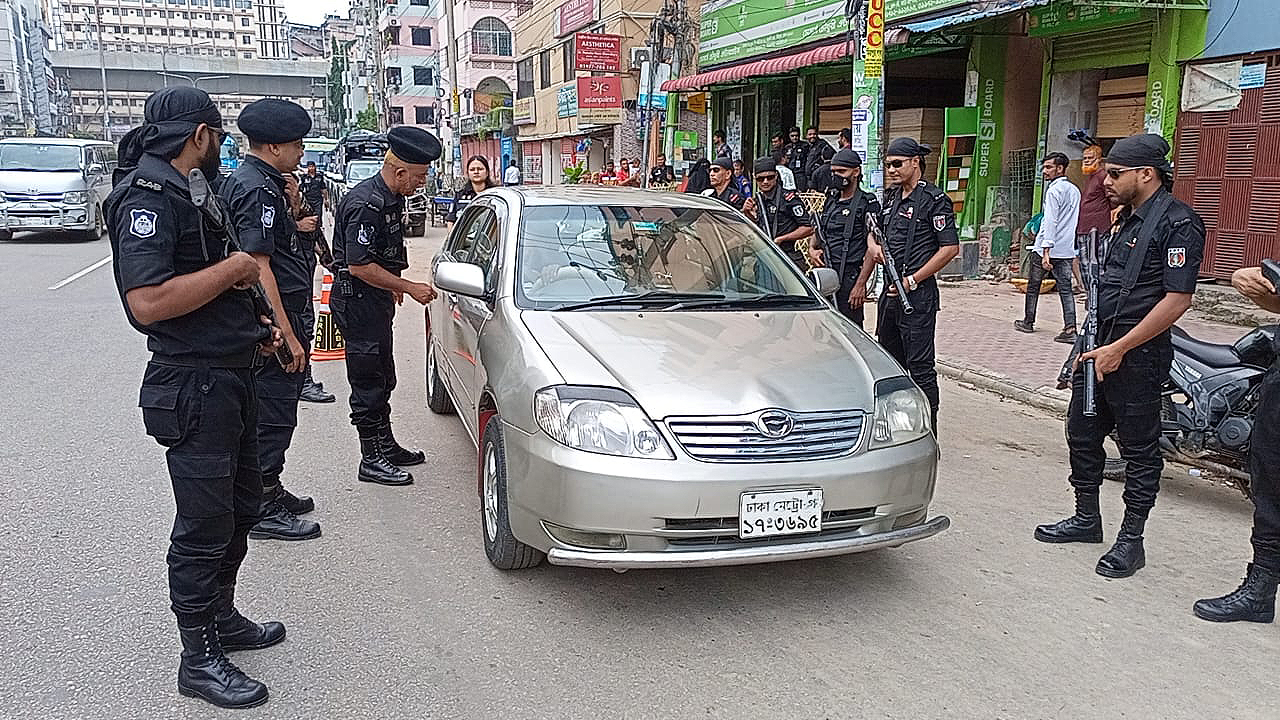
(102, 62)
(678, 28)
(646, 112)
(455, 121)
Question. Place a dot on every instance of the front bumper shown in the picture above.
(622, 560)
(47, 216)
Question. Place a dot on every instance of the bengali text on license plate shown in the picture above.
(779, 512)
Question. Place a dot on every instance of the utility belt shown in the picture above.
(236, 361)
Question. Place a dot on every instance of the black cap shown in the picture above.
(725, 163)
(906, 147)
(413, 145)
(764, 164)
(1145, 150)
(271, 120)
(181, 103)
(846, 158)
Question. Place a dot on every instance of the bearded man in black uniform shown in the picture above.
(782, 214)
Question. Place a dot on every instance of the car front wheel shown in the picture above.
(502, 548)
(437, 399)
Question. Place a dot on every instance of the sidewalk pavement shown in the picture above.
(977, 343)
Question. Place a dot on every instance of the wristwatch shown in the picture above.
(911, 283)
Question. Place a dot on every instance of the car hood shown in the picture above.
(40, 181)
(716, 363)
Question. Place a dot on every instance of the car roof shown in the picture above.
(77, 142)
(604, 195)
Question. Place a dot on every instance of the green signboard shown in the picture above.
(899, 9)
(1067, 17)
(736, 29)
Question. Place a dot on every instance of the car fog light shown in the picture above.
(910, 519)
(582, 538)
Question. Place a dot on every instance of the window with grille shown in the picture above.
(490, 36)
(524, 78)
(420, 36)
(566, 56)
(423, 76)
(424, 115)
(396, 116)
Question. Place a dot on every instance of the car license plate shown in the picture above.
(779, 512)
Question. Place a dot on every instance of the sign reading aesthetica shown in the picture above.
(736, 29)
(600, 100)
(595, 52)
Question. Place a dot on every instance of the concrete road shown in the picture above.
(394, 612)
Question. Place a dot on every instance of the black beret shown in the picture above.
(413, 145)
(764, 164)
(271, 120)
(725, 163)
(181, 103)
(1144, 150)
(846, 158)
(906, 147)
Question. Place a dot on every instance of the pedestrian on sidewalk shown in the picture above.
(1095, 208)
(723, 150)
(1054, 249)
(1148, 277)
(1255, 599)
(919, 226)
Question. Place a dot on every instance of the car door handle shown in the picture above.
(451, 299)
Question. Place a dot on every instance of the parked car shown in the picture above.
(54, 184)
(650, 383)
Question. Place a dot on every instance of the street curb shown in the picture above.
(1002, 386)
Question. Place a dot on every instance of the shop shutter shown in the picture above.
(1228, 170)
(1100, 49)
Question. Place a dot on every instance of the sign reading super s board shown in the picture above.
(737, 29)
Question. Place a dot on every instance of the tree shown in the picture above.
(337, 100)
(367, 119)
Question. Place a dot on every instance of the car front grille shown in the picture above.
(15, 197)
(746, 438)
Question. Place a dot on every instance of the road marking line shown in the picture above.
(82, 273)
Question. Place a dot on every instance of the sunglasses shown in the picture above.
(894, 164)
(1115, 173)
(764, 178)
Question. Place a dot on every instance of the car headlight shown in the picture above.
(902, 413)
(598, 420)
(75, 197)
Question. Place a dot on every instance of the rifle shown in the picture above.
(890, 268)
(211, 211)
(1087, 341)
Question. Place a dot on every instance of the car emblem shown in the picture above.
(775, 424)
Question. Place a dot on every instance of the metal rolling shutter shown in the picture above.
(1100, 49)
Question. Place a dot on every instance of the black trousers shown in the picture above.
(365, 322)
(208, 419)
(1062, 273)
(842, 295)
(1264, 467)
(1128, 402)
(278, 393)
(910, 340)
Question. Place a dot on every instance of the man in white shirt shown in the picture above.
(1055, 247)
(511, 176)
(785, 175)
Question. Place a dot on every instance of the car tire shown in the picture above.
(502, 548)
(5, 236)
(96, 232)
(438, 400)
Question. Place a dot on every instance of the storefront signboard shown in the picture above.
(868, 97)
(567, 101)
(901, 9)
(522, 112)
(1067, 17)
(736, 29)
(599, 100)
(574, 14)
(596, 52)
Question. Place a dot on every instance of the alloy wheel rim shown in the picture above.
(431, 367)
(490, 492)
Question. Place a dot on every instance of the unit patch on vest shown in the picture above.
(268, 216)
(143, 223)
(939, 222)
(1177, 257)
(799, 211)
(363, 236)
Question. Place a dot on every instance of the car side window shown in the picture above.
(464, 234)
(485, 248)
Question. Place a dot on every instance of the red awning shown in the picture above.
(772, 66)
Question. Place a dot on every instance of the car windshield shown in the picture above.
(361, 171)
(578, 255)
(33, 156)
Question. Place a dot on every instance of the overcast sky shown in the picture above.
(312, 12)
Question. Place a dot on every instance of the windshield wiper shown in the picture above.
(769, 300)
(645, 298)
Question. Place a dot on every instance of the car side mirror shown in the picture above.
(96, 169)
(826, 280)
(461, 278)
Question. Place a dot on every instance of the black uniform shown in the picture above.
(915, 228)
(781, 212)
(1264, 468)
(1129, 398)
(844, 243)
(797, 158)
(198, 394)
(820, 153)
(461, 198)
(312, 189)
(731, 195)
(660, 174)
(367, 229)
(254, 194)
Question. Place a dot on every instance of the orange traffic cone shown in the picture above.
(328, 341)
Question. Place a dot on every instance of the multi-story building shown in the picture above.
(244, 29)
(28, 89)
(410, 62)
(306, 40)
(484, 54)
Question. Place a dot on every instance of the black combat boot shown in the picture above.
(1253, 601)
(374, 466)
(277, 523)
(293, 503)
(236, 632)
(1127, 556)
(206, 673)
(1085, 526)
(313, 391)
(395, 454)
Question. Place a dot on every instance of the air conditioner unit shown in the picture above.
(393, 22)
(639, 56)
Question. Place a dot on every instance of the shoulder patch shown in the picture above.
(363, 236)
(145, 184)
(797, 210)
(1177, 257)
(939, 222)
(142, 223)
(268, 216)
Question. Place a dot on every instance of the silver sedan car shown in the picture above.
(650, 383)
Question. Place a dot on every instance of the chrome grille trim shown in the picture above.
(738, 438)
(15, 197)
